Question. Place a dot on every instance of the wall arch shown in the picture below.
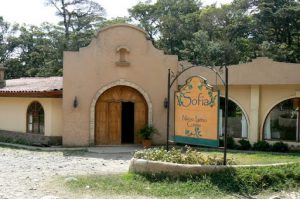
(269, 110)
(279, 133)
(35, 118)
(121, 82)
(243, 110)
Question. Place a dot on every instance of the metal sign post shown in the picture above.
(168, 110)
(225, 83)
(226, 116)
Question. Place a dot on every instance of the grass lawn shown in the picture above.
(233, 183)
(258, 157)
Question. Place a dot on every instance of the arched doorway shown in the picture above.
(237, 121)
(282, 122)
(119, 113)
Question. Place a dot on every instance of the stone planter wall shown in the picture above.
(32, 139)
(172, 169)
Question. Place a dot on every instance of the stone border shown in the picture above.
(121, 82)
(174, 169)
(32, 138)
(47, 149)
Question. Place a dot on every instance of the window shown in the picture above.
(237, 123)
(282, 122)
(35, 118)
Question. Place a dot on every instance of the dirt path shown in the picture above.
(26, 174)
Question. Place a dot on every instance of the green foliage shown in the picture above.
(38, 52)
(189, 156)
(262, 146)
(230, 34)
(211, 35)
(147, 132)
(114, 21)
(15, 140)
(280, 147)
(79, 20)
(244, 145)
(232, 183)
(231, 143)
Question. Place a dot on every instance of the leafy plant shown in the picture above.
(231, 143)
(262, 146)
(147, 132)
(188, 156)
(244, 144)
(280, 147)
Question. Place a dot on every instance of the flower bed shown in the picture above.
(176, 162)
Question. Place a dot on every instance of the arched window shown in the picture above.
(282, 123)
(237, 123)
(35, 118)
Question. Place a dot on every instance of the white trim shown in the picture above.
(121, 82)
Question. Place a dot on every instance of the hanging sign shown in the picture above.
(196, 113)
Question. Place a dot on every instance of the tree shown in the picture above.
(35, 51)
(168, 22)
(278, 28)
(80, 19)
(117, 20)
(6, 29)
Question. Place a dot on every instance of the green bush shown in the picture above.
(244, 145)
(189, 156)
(147, 131)
(15, 140)
(280, 147)
(262, 146)
(231, 143)
(221, 143)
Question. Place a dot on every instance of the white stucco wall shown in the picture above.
(13, 114)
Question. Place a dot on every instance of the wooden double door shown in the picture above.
(120, 112)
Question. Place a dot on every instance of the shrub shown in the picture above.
(231, 143)
(15, 140)
(244, 144)
(261, 146)
(190, 156)
(280, 147)
(147, 131)
(221, 143)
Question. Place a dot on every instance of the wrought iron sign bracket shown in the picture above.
(172, 77)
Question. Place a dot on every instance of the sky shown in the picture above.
(35, 11)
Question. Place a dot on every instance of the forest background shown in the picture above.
(204, 35)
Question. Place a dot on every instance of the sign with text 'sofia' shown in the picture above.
(196, 113)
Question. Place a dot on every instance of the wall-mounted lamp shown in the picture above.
(75, 102)
(166, 103)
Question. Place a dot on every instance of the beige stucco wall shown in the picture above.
(93, 68)
(271, 96)
(13, 114)
(256, 86)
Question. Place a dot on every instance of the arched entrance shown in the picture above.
(119, 113)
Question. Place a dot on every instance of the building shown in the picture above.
(118, 84)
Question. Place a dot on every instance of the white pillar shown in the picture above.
(244, 126)
(254, 114)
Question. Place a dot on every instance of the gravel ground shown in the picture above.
(27, 174)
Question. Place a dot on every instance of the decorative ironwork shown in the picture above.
(171, 80)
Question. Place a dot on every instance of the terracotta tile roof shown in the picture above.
(33, 84)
